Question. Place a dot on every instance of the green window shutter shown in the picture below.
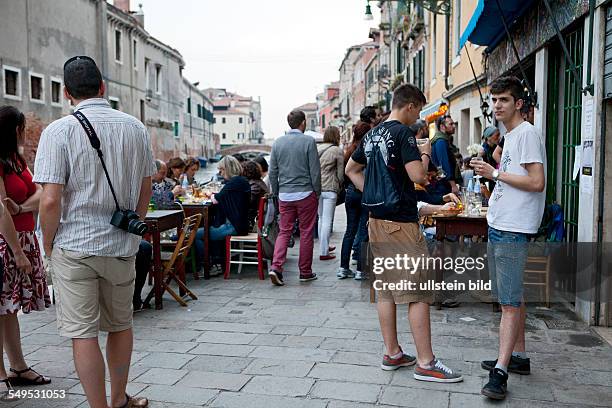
(176, 128)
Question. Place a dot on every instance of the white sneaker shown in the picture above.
(360, 275)
(344, 273)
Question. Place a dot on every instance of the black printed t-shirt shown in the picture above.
(399, 147)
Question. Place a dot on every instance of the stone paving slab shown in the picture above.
(245, 343)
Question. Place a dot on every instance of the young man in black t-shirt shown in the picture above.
(398, 233)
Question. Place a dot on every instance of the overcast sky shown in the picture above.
(283, 51)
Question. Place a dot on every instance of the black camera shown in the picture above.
(129, 221)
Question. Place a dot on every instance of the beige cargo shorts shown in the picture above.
(92, 293)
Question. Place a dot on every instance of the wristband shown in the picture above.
(426, 154)
(20, 208)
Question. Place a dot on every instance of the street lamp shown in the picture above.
(368, 12)
(435, 6)
(189, 106)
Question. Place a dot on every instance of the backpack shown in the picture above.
(270, 229)
(380, 195)
(552, 228)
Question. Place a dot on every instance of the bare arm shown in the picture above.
(7, 229)
(430, 209)
(533, 182)
(144, 197)
(497, 153)
(416, 171)
(354, 172)
(50, 213)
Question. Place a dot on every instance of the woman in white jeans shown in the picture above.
(332, 176)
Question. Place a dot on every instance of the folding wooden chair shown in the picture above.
(174, 262)
(251, 254)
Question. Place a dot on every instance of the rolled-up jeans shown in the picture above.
(327, 208)
(507, 255)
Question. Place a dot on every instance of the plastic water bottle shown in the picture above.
(477, 198)
(185, 186)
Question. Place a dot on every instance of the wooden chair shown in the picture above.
(174, 262)
(537, 273)
(251, 254)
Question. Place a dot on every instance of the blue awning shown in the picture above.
(486, 26)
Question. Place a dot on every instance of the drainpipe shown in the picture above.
(103, 21)
(446, 51)
(600, 215)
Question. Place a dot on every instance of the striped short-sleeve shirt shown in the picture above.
(65, 156)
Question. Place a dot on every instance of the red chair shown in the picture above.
(251, 254)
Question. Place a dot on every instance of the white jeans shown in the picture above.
(327, 208)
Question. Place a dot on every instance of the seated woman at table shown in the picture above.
(258, 189)
(176, 168)
(192, 165)
(164, 189)
(231, 203)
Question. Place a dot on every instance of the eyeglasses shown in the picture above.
(79, 57)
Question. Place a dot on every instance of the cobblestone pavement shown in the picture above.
(245, 343)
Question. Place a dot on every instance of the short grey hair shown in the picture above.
(231, 165)
(159, 164)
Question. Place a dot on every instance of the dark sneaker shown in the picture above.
(389, 363)
(437, 373)
(276, 277)
(517, 365)
(344, 273)
(497, 385)
(308, 278)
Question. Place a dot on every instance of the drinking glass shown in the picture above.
(476, 176)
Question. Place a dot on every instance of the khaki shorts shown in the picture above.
(92, 293)
(389, 239)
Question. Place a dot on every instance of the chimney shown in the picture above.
(139, 15)
(123, 5)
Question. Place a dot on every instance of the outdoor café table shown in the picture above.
(201, 208)
(159, 221)
(459, 225)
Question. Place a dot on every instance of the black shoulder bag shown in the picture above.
(126, 220)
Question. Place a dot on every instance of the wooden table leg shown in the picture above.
(157, 270)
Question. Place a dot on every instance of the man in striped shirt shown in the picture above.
(92, 261)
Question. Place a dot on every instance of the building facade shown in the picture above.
(143, 76)
(237, 118)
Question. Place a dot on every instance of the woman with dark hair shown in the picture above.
(192, 165)
(356, 216)
(176, 168)
(258, 189)
(332, 177)
(24, 283)
(263, 164)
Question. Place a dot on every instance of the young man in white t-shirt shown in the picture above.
(515, 212)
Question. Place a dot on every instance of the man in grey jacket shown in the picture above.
(295, 178)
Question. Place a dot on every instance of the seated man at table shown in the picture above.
(143, 264)
(232, 204)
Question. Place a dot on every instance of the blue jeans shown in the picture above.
(214, 234)
(355, 217)
(507, 253)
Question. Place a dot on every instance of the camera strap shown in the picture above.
(95, 143)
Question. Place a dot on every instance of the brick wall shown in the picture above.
(34, 127)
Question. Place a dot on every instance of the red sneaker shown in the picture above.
(327, 257)
(405, 360)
